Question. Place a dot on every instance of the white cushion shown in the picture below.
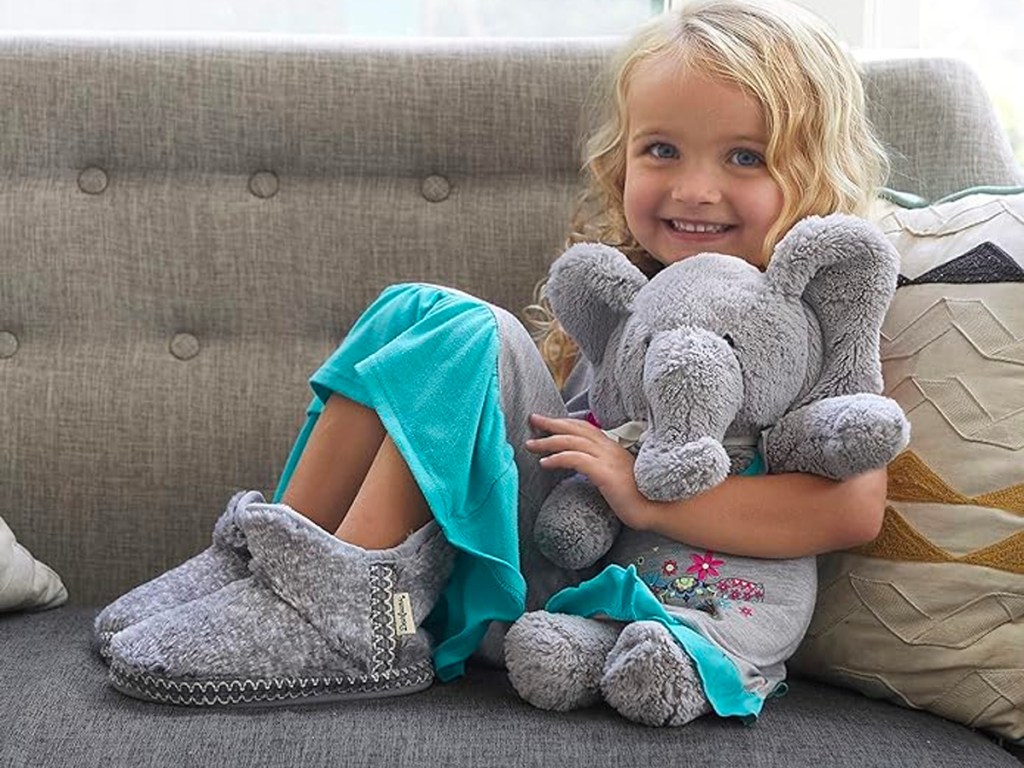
(25, 583)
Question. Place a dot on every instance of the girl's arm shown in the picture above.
(790, 515)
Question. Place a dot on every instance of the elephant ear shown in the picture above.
(591, 288)
(846, 271)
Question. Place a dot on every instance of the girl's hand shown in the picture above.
(580, 446)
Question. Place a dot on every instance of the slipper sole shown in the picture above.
(274, 691)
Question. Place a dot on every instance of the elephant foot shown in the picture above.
(555, 661)
(649, 679)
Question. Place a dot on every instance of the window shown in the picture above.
(987, 33)
(385, 18)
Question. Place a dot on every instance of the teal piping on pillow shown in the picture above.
(996, 191)
(902, 199)
(910, 200)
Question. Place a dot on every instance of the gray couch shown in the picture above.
(188, 227)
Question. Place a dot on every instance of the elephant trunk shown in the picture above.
(694, 386)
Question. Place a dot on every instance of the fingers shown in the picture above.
(570, 435)
(562, 426)
(576, 461)
(558, 443)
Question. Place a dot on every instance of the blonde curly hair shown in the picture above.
(822, 151)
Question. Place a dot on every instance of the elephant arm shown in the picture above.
(838, 437)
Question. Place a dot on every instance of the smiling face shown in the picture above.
(696, 178)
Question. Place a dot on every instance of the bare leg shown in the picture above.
(340, 451)
(352, 481)
(389, 505)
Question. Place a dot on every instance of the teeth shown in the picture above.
(684, 226)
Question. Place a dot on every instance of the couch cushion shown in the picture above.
(57, 710)
(931, 614)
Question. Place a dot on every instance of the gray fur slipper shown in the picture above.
(319, 620)
(649, 679)
(224, 561)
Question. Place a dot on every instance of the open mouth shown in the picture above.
(697, 228)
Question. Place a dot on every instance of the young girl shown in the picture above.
(400, 540)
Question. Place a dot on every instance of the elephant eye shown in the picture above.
(728, 340)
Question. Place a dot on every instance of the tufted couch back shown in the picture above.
(188, 225)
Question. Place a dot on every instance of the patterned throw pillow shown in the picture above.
(931, 614)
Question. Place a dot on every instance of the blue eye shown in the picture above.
(662, 151)
(746, 158)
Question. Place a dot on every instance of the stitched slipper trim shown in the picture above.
(382, 619)
(275, 690)
(103, 643)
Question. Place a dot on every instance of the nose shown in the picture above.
(696, 185)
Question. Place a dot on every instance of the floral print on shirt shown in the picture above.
(703, 586)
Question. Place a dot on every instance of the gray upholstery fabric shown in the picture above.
(938, 125)
(58, 711)
(188, 226)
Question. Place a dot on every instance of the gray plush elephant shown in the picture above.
(711, 367)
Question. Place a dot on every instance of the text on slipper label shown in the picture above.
(404, 622)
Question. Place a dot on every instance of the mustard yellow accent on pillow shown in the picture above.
(910, 479)
(1005, 555)
(1011, 499)
(899, 540)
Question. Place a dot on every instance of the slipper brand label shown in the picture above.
(404, 622)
